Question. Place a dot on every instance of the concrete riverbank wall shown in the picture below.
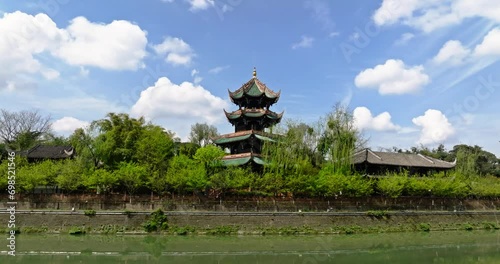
(248, 204)
(248, 221)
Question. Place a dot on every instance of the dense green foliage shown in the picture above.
(130, 156)
(156, 222)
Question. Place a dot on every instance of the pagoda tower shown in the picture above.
(251, 119)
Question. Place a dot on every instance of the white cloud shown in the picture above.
(50, 74)
(68, 124)
(305, 42)
(393, 77)
(178, 106)
(490, 45)
(452, 53)
(177, 51)
(435, 127)
(429, 15)
(23, 37)
(218, 69)
(196, 74)
(119, 45)
(200, 4)
(482, 55)
(363, 119)
(481, 8)
(404, 38)
(391, 11)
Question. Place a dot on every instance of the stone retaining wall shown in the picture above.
(248, 221)
(257, 204)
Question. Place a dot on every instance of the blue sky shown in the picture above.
(414, 72)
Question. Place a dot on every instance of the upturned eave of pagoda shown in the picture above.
(257, 112)
(232, 138)
(242, 159)
(254, 88)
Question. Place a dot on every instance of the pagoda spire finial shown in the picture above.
(254, 72)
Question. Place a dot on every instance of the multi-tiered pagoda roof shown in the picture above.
(253, 116)
(254, 93)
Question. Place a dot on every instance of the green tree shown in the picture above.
(3, 152)
(118, 139)
(70, 176)
(37, 174)
(330, 183)
(28, 178)
(52, 139)
(392, 185)
(340, 138)
(86, 146)
(132, 176)
(202, 134)
(102, 180)
(231, 178)
(155, 148)
(186, 148)
(157, 182)
(186, 175)
(292, 158)
(210, 157)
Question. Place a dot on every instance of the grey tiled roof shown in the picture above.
(49, 152)
(400, 159)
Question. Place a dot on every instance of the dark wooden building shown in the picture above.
(41, 152)
(379, 163)
(253, 99)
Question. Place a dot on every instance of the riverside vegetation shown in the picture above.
(121, 154)
(158, 223)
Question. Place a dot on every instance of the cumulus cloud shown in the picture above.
(452, 53)
(200, 4)
(178, 106)
(175, 50)
(68, 124)
(119, 45)
(391, 11)
(490, 44)
(116, 46)
(22, 37)
(363, 119)
(429, 15)
(435, 127)
(393, 77)
(305, 42)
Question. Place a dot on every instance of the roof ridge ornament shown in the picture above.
(69, 153)
(254, 72)
(373, 153)
(425, 158)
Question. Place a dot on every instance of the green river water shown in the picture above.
(432, 247)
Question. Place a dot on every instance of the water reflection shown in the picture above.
(433, 247)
